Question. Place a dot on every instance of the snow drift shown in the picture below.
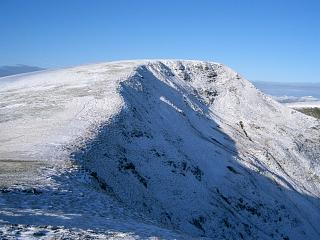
(189, 144)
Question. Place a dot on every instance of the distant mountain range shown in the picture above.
(17, 69)
(291, 92)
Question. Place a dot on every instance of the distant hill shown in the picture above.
(16, 69)
(311, 111)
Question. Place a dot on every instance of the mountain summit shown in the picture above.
(191, 146)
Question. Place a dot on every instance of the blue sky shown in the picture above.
(263, 40)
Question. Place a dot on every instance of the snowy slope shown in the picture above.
(191, 146)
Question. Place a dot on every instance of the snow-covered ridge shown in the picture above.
(190, 144)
